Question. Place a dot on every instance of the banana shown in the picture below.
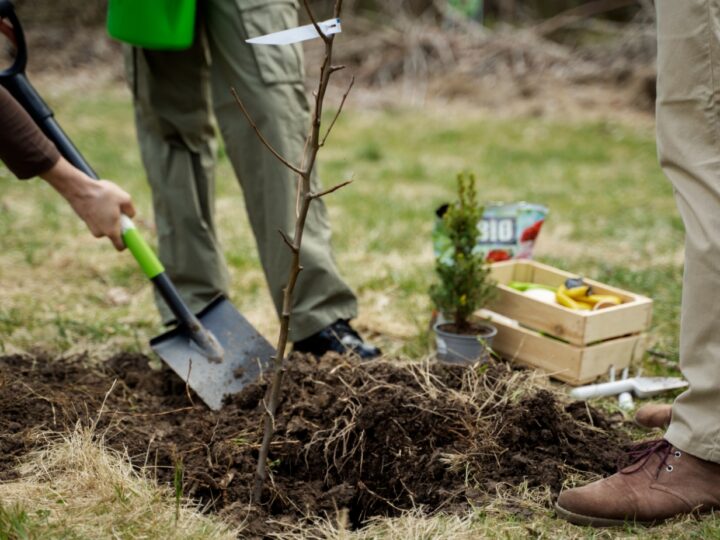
(576, 290)
(604, 299)
(565, 300)
(580, 297)
(578, 293)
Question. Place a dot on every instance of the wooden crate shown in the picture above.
(563, 361)
(588, 342)
(573, 326)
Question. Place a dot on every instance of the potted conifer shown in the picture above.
(464, 284)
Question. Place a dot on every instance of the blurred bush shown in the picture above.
(90, 13)
(62, 12)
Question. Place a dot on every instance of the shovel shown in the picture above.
(217, 352)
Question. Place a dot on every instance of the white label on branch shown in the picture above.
(296, 35)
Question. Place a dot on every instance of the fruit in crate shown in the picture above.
(543, 293)
(576, 294)
(573, 294)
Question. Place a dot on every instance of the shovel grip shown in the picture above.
(154, 270)
(144, 255)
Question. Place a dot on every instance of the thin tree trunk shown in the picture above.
(305, 197)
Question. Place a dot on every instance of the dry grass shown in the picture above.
(75, 487)
(516, 512)
(414, 525)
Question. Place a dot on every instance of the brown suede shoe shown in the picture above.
(662, 483)
(654, 415)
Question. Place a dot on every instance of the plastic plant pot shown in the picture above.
(464, 349)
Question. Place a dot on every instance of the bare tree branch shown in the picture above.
(261, 136)
(287, 241)
(328, 191)
(340, 108)
(298, 187)
(315, 23)
(304, 198)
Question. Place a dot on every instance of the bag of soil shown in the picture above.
(508, 231)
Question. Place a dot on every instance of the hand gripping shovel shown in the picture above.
(217, 352)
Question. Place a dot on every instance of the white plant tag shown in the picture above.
(296, 35)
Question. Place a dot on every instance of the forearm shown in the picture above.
(23, 147)
(27, 153)
(75, 186)
(99, 203)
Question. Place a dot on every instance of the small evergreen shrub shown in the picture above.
(464, 284)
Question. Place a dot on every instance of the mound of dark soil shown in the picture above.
(374, 438)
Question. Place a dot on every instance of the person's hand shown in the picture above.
(7, 30)
(100, 206)
(99, 203)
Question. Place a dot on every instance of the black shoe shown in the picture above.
(339, 337)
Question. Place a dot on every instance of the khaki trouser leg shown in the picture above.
(172, 106)
(688, 120)
(269, 80)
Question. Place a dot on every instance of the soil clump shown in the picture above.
(375, 438)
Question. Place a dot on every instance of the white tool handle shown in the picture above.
(602, 390)
(126, 223)
(626, 402)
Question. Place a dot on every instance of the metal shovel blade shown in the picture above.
(247, 353)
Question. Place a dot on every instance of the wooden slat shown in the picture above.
(631, 318)
(505, 273)
(597, 359)
(528, 348)
(563, 361)
(555, 320)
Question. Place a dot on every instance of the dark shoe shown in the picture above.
(662, 483)
(654, 415)
(339, 337)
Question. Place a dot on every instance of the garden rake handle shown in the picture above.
(15, 81)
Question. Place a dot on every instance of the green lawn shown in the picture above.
(612, 218)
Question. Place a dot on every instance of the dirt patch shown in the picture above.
(376, 438)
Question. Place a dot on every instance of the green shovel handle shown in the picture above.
(153, 269)
(143, 253)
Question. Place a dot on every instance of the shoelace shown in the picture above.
(342, 329)
(639, 454)
(345, 326)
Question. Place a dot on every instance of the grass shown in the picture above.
(612, 212)
(76, 488)
(612, 218)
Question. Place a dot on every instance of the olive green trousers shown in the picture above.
(688, 126)
(176, 94)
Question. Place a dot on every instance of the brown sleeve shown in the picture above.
(25, 150)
